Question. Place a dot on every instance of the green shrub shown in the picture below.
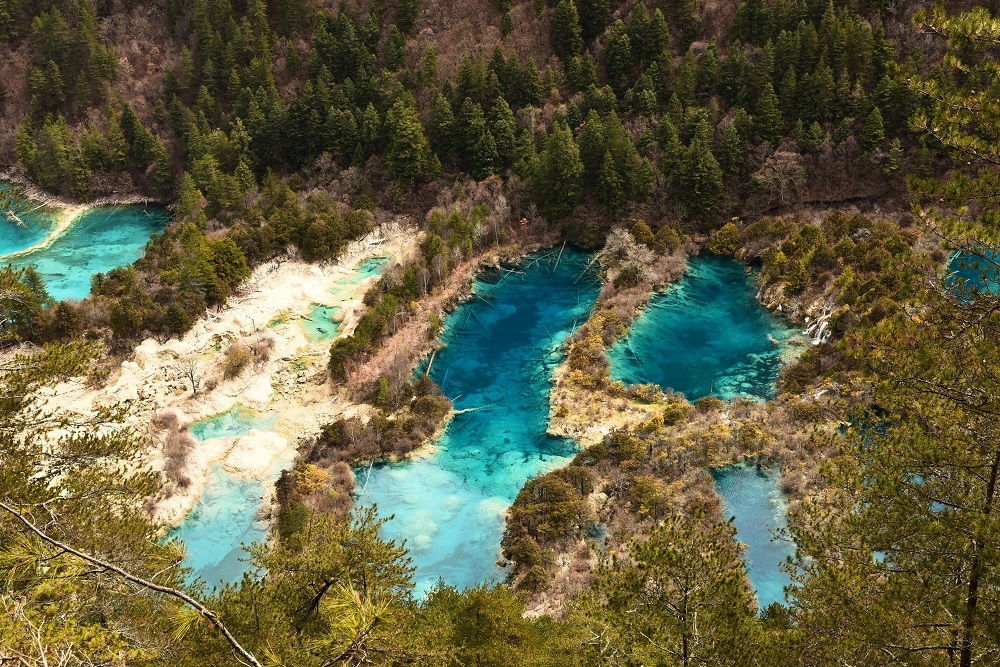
(709, 404)
(726, 241)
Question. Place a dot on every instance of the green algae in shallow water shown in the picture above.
(365, 269)
(705, 335)
(40, 221)
(100, 240)
(753, 497)
(320, 324)
(372, 266)
(499, 357)
(232, 423)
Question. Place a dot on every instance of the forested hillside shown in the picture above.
(846, 147)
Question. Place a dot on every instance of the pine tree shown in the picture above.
(408, 154)
(406, 15)
(506, 25)
(873, 132)
(657, 38)
(788, 100)
(638, 32)
(682, 592)
(503, 128)
(687, 79)
(564, 30)
(442, 127)
(708, 71)
(592, 148)
(672, 148)
(699, 181)
(822, 89)
(609, 186)
(479, 148)
(767, 119)
(560, 173)
(732, 149)
(395, 50)
(595, 15)
(618, 60)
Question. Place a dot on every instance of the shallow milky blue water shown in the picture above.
(225, 516)
(321, 323)
(222, 521)
(99, 240)
(232, 423)
(500, 352)
(706, 334)
(754, 497)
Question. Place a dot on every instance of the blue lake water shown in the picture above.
(99, 240)
(39, 222)
(226, 514)
(706, 334)
(500, 351)
(968, 273)
(754, 498)
(225, 518)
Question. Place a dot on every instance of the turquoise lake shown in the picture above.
(500, 351)
(99, 240)
(705, 335)
(753, 497)
(968, 273)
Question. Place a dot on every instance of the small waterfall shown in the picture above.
(818, 330)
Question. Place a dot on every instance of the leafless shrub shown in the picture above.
(165, 420)
(177, 446)
(262, 345)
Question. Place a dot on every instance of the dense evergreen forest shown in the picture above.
(292, 127)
